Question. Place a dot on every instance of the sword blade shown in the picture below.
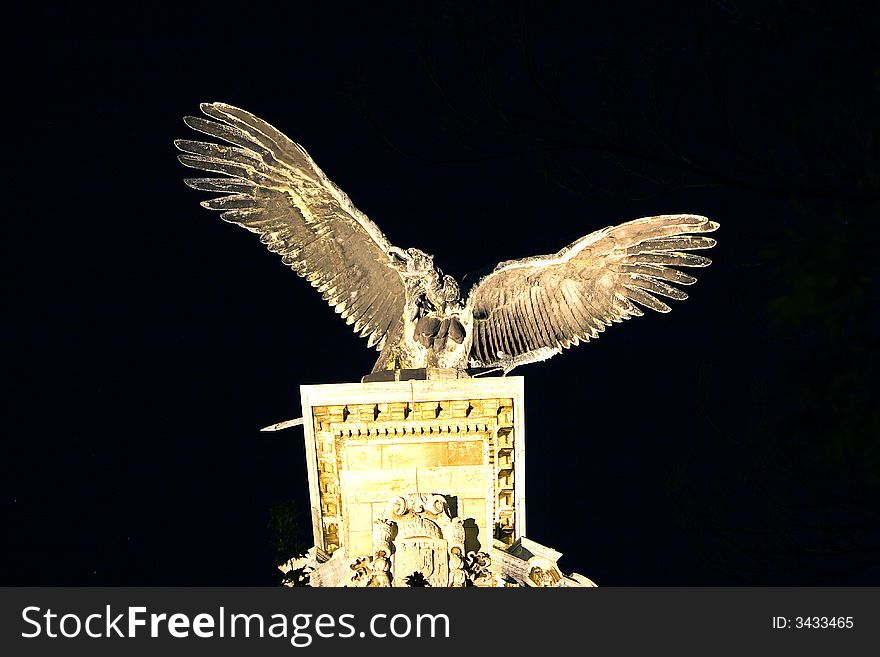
(278, 426)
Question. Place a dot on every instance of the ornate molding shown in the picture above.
(417, 504)
(336, 426)
(479, 569)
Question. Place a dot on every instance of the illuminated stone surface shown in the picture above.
(421, 475)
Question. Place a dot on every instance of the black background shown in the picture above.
(733, 441)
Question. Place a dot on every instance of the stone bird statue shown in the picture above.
(524, 311)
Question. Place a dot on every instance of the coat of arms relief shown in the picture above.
(419, 543)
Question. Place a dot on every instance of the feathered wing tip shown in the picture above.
(271, 186)
(531, 309)
(645, 268)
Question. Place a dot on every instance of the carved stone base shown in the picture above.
(524, 564)
(421, 480)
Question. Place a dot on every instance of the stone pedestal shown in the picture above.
(421, 476)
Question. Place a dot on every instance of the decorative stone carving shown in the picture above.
(457, 574)
(527, 564)
(479, 568)
(361, 572)
(368, 442)
(543, 572)
(381, 570)
(383, 533)
(424, 527)
(361, 437)
(542, 578)
(456, 534)
(420, 536)
(417, 504)
(425, 555)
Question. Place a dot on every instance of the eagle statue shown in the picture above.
(524, 311)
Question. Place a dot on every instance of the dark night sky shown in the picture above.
(732, 441)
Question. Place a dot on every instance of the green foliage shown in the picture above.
(416, 579)
(290, 538)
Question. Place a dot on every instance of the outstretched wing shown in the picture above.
(275, 189)
(531, 309)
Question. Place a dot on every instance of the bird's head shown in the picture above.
(417, 268)
(411, 262)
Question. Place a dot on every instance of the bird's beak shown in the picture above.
(398, 259)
